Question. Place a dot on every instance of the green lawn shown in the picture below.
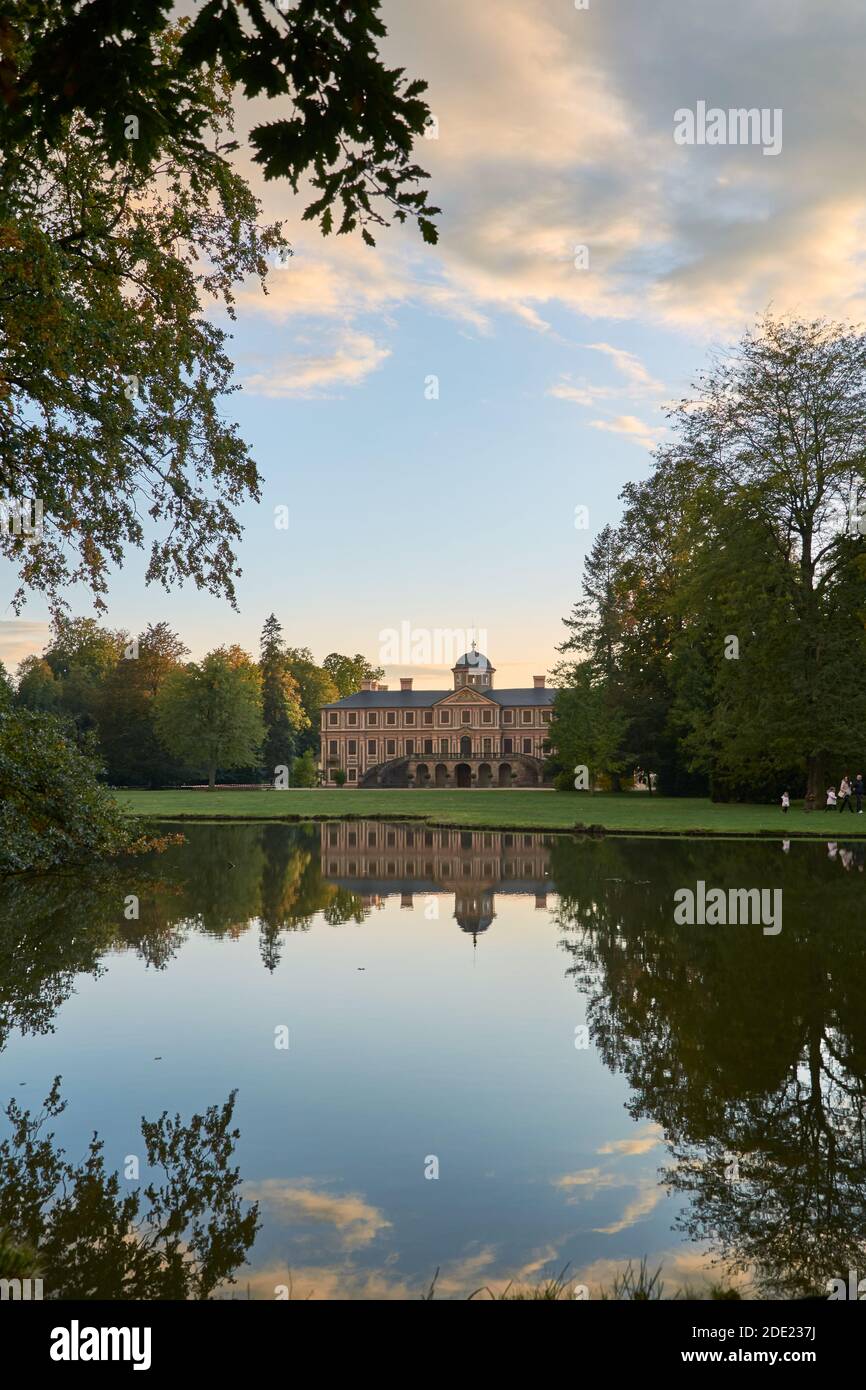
(505, 810)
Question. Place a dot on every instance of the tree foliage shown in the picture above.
(725, 615)
(53, 810)
(111, 372)
(210, 713)
(181, 1236)
(344, 121)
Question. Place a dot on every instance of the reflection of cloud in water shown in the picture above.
(356, 1222)
(649, 1194)
(457, 1278)
(590, 1180)
(640, 1144)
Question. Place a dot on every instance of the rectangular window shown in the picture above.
(428, 716)
(390, 717)
(487, 716)
(372, 717)
(371, 747)
(428, 745)
(410, 745)
(332, 748)
(445, 716)
(443, 745)
(390, 747)
(508, 716)
(487, 745)
(527, 745)
(508, 745)
(353, 773)
(333, 719)
(353, 717)
(526, 716)
(353, 747)
(466, 716)
(409, 717)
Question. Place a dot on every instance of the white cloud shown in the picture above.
(648, 436)
(352, 358)
(19, 638)
(556, 129)
(355, 1222)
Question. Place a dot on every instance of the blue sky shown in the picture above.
(555, 130)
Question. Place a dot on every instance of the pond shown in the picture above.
(495, 1056)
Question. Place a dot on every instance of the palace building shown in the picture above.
(471, 736)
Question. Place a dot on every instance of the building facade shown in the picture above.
(470, 736)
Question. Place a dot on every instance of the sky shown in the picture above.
(436, 509)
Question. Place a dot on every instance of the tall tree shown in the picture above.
(591, 722)
(777, 426)
(210, 714)
(282, 710)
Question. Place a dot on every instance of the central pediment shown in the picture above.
(464, 696)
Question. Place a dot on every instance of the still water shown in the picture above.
(492, 1055)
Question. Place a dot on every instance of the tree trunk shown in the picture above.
(816, 781)
(211, 777)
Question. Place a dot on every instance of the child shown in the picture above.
(786, 801)
(831, 799)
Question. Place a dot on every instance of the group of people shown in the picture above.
(847, 790)
(850, 790)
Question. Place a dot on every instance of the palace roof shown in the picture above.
(423, 699)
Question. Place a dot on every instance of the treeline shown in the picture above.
(719, 637)
(152, 718)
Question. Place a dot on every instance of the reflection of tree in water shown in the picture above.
(180, 1237)
(740, 1046)
(225, 879)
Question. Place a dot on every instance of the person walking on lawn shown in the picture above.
(858, 792)
(845, 796)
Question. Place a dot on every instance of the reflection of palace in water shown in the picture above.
(375, 859)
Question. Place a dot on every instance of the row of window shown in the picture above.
(355, 718)
(443, 871)
(469, 840)
(408, 749)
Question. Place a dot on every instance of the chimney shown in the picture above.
(538, 682)
(368, 685)
(405, 682)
